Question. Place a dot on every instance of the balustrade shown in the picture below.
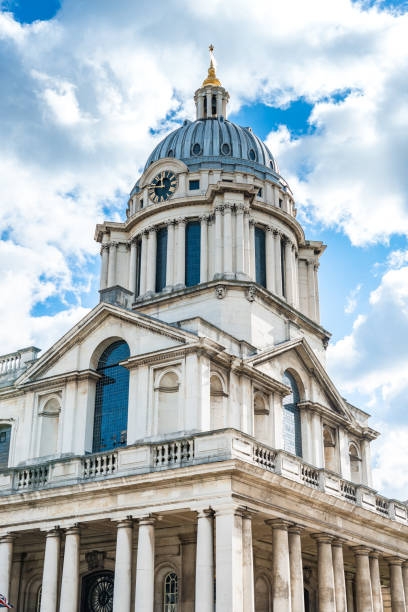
(100, 465)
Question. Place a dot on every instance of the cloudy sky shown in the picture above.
(88, 88)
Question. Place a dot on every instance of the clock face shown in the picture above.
(162, 186)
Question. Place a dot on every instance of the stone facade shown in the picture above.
(212, 464)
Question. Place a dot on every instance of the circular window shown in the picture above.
(170, 153)
(100, 594)
(196, 148)
(225, 149)
(252, 155)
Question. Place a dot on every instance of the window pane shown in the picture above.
(260, 267)
(170, 593)
(5, 434)
(111, 401)
(193, 239)
(292, 433)
(161, 258)
(193, 185)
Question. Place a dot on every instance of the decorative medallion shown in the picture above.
(162, 186)
(100, 595)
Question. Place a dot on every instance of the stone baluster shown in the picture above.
(104, 266)
(112, 264)
(270, 259)
(151, 261)
(170, 255)
(6, 558)
(248, 563)
(281, 588)
(375, 582)
(278, 262)
(144, 597)
(405, 581)
(143, 264)
(204, 583)
(296, 568)
(132, 266)
(350, 591)
(203, 248)
(397, 585)
(218, 242)
(181, 253)
(339, 577)
(228, 552)
(228, 241)
(326, 592)
(70, 572)
(364, 598)
(49, 595)
(122, 591)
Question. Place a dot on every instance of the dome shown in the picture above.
(216, 143)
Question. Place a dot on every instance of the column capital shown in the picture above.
(72, 530)
(113, 243)
(251, 221)
(394, 560)
(170, 222)
(405, 564)
(240, 208)
(374, 554)
(227, 206)
(269, 228)
(105, 246)
(349, 576)
(295, 529)
(54, 532)
(219, 208)
(147, 520)
(7, 538)
(278, 523)
(361, 550)
(124, 522)
(204, 218)
(180, 220)
(322, 537)
(339, 542)
(204, 513)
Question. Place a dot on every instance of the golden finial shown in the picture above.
(212, 77)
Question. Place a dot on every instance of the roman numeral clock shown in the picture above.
(162, 186)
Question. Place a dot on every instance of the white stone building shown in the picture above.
(182, 447)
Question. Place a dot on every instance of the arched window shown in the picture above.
(355, 463)
(330, 451)
(168, 403)
(217, 401)
(49, 414)
(292, 434)
(161, 259)
(260, 258)
(5, 435)
(170, 592)
(261, 412)
(193, 255)
(111, 401)
(262, 595)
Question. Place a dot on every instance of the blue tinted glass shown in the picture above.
(111, 401)
(260, 267)
(161, 258)
(194, 185)
(193, 239)
(292, 432)
(5, 435)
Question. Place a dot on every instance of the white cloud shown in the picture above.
(352, 299)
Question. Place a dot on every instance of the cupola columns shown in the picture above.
(211, 99)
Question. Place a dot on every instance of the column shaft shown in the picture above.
(181, 253)
(296, 279)
(151, 261)
(350, 591)
(204, 249)
(229, 593)
(252, 271)
(296, 570)
(397, 585)
(104, 266)
(270, 259)
(144, 598)
(405, 581)
(339, 578)
(278, 263)
(143, 265)
(288, 272)
(70, 572)
(364, 598)
(248, 562)
(311, 290)
(240, 242)
(227, 240)
(6, 558)
(281, 589)
(247, 246)
(49, 595)
(112, 264)
(327, 602)
(123, 567)
(316, 292)
(170, 255)
(218, 243)
(132, 266)
(375, 583)
(209, 104)
(188, 545)
(204, 583)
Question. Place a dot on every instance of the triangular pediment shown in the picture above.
(80, 348)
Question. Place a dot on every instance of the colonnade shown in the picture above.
(231, 559)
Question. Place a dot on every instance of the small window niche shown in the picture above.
(261, 414)
(330, 449)
(194, 185)
(259, 194)
(49, 413)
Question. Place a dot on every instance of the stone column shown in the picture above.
(316, 291)
(170, 256)
(112, 264)
(240, 241)
(219, 104)
(151, 261)
(339, 578)
(49, 595)
(288, 272)
(270, 259)
(209, 103)
(181, 253)
(252, 271)
(144, 598)
(278, 263)
(281, 589)
(227, 241)
(70, 572)
(6, 558)
(311, 289)
(375, 582)
(204, 582)
(350, 591)
(228, 552)
(247, 245)
(296, 569)
(132, 266)
(248, 561)
(203, 248)
(143, 264)
(218, 268)
(16, 573)
(104, 266)
(364, 598)
(296, 277)
(200, 107)
(405, 581)
(327, 602)
(188, 553)
(397, 585)
(122, 591)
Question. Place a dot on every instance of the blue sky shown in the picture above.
(88, 89)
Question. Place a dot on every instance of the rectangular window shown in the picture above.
(228, 180)
(260, 192)
(5, 445)
(161, 258)
(138, 264)
(280, 203)
(141, 203)
(193, 185)
(193, 240)
(260, 260)
(283, 267)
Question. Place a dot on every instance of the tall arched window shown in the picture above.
(193, 255)
(217, 402)
(161, 259)
(49, 414)
(260, 258)
(111, 402)
(168, 398)
(5, 435)
(170, 591)
(292, 434)
(355, 463)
